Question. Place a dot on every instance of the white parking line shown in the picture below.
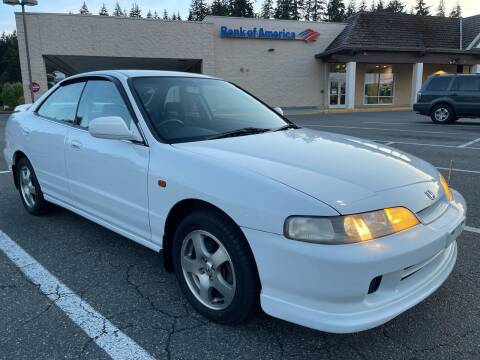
(384, 129)
(472, 229)
(460, 170)
(406, 123)
(5, 172)
(389, 143)
(423, 144)
(108, 337)
(469, 143)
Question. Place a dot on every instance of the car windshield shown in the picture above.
(183, 109)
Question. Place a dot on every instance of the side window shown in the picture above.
(62, 104)
(467, 83)
(101, 98)
(439, 84)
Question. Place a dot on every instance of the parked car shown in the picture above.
(324, 230)
(446, 98)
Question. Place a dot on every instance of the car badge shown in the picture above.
(430, 195)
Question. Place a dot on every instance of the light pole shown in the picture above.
(24, 3)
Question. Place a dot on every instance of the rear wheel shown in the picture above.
(29, 189)
(215, 268)
(442, 114)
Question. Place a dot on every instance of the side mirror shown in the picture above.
(278, 110)
(113, 128)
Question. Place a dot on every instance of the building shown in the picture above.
(372, 60)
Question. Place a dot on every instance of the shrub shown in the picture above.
(11, 95)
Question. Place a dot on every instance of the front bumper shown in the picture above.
(421, 108)
(325, 287)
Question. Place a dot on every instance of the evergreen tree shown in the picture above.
(125, 13)
(380, 6)
(456, 11)
(118, 10)
(174, 17)
(335, 11)
(421, 8)
(241, 8)
(84, 9)
(351, 9)
(135, 11)
(395, 6)
(373, 7)
(179, 18)
(149, 14)
(198, 10)
(219, 8)
(363, 6)
(155, 15)
(103, 10)
(282, 11)
(165, 14)
(297, 9)
(267, 11)
(441, 9)
(9, 59)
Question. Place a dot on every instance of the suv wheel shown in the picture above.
(442, 114)
(215, 268)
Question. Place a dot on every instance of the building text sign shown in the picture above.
(261, 33)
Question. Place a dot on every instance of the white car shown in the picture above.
(323, 230)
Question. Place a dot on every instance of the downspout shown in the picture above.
(461, 33)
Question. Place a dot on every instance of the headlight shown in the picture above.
(446, 188)
(350, 228)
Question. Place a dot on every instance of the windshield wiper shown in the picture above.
(240, 132)
(285, 127)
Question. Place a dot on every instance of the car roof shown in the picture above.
(142, 73)
(453, 75)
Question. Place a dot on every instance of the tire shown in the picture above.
(442, 114)
(29, 189)
(210, 252)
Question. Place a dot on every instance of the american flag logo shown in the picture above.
(309, 35)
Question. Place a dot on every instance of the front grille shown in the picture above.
(413, 269)
(434, 211)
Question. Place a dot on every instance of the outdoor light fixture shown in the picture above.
(24, 3)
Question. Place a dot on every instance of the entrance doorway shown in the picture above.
(336, 90)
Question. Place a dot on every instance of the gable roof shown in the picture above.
(394, 31)
(471, 30)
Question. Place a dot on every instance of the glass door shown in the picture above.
(336, 90)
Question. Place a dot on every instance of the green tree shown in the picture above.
(362, 7)
(155, 15)
(241, 8)
(165, 15)
(421, 8)
(456, 11)
(174, 17)
(267, 10)
(380, 6)
(441, 11)
(12, 94)
(135, 11)
(351, 9)
(220, 8)
(118, 10)
(282, 11)
(103, 11)
(149, 14)
(336, 11)
(84, 9)
(179, 18)
(198, 10)
(9, 59)
(395, 6)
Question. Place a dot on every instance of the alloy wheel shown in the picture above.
(441, 114)
(27, 188)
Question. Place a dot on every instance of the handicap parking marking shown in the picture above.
(106, 335)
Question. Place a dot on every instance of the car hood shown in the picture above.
(347, 173)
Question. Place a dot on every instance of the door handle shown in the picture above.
(26, 131)
(75, 144)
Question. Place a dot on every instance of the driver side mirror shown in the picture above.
(278, 110)
(113, 128)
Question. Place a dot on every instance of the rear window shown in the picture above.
(439, 84)
(467, 83)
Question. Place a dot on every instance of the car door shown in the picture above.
(108, 178)
(466, 93)
(45, 134)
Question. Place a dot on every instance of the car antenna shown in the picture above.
(450, 172)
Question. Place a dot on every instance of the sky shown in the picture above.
(7, 21)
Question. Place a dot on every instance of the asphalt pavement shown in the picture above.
(127, 286)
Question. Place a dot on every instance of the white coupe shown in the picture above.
(323, 230)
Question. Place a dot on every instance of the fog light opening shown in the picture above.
(374, 284)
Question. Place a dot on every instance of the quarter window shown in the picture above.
(62, 104)
(439, 84)
(101, 98)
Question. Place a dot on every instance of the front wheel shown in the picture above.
(442, 114)
(215, 268)
(29, 189)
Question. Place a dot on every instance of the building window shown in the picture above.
(379, 84)
(337, 67)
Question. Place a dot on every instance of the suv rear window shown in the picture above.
(467, 83)
(439, 83)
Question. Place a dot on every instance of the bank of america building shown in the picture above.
(373, 60)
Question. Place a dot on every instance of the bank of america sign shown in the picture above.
(307, 35)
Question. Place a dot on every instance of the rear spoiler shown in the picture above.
(21, 108)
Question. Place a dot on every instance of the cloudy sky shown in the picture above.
(7, 22)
